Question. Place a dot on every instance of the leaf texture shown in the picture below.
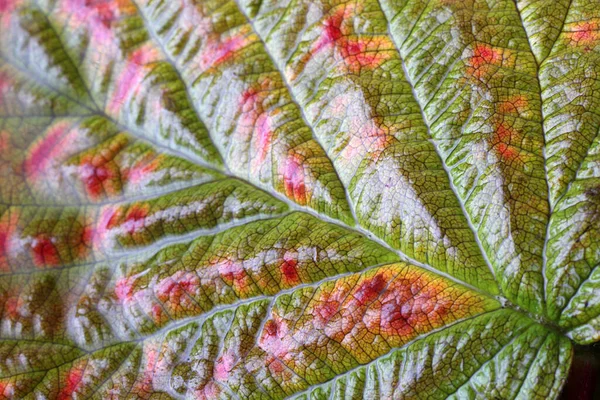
(266, 199)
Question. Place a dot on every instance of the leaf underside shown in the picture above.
(280, 198)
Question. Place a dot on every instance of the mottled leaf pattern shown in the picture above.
(266, 199)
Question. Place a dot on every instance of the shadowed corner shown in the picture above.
(582, 382)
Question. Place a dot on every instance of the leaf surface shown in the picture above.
(288, 199)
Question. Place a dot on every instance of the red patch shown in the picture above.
(332, 31)
(44, 251)
(93, 175)
(370, 289)
(484, 56)
(157, 313)
(293, 179)
(72, 382)
(289, 271)
(271, 328)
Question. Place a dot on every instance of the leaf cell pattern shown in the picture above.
(246, 199)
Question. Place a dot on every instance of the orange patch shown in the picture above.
(483, 56)
(141, 171)
(502, 141)
(584, 34)
(234, 274)
(135, 219)
(8, 227)
(514, 105)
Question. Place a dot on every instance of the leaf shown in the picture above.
(291, 199)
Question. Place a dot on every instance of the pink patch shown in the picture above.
(275, 338)
(74, 378)
(124, 289)
(234, 274)
(178, 290)
(131, 78)
(263, 138)
(140, 171)
(96, 15)
(356, 52)
(223, 367)
(145, 382)
(44, 251)
(325, 310)
(7, 6)
(293, 179)
(46, 151)
(220, 52)
(109, 217)
(7, 389)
